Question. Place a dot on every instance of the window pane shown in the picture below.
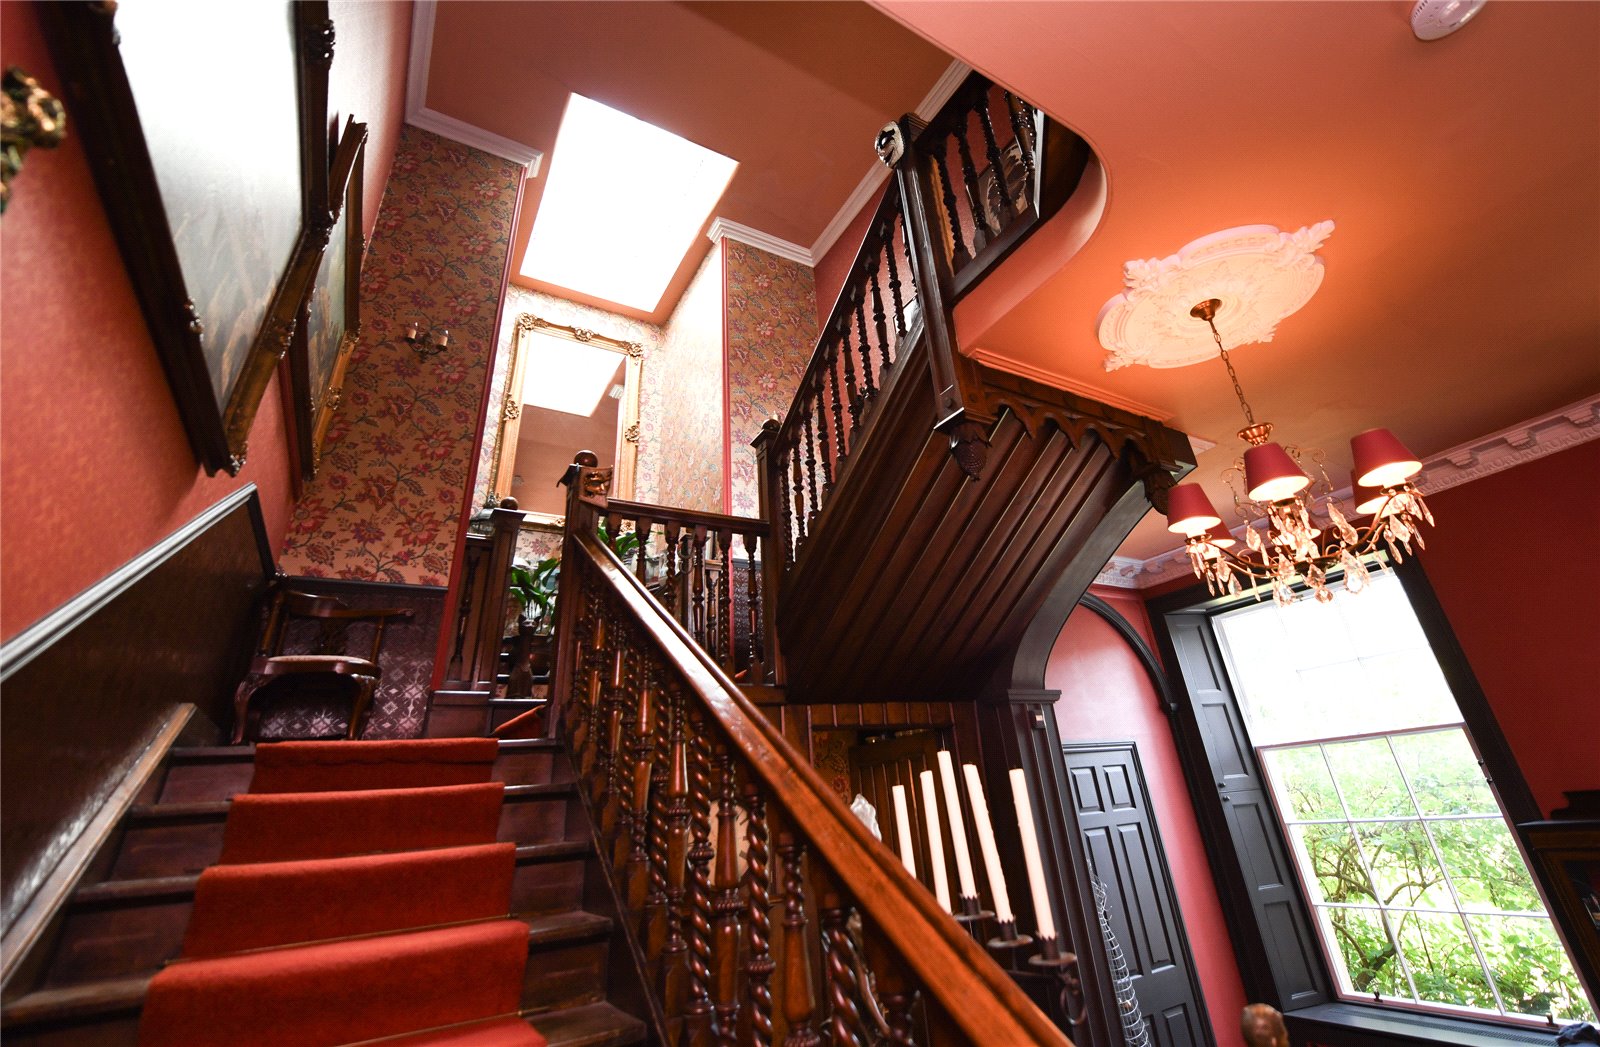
(1369, 779)
(1336, 871)
(1485, 866)
(1444, 967)
(1304, 788)
(1411, 690)
(1381, 619)
(1444, 773)
(1404, 870)
(1529, 967)
(1367, 959)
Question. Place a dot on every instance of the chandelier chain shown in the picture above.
(1249, 415)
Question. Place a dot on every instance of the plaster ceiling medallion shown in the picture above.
(1436, 19)
(1258, 273)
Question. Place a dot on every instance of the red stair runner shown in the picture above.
(323, 925)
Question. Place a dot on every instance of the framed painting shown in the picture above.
(330, 321)
(205, 126)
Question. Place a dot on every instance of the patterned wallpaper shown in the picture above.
(385, 505)
(686, 421)
(520, 300)
(772, 329)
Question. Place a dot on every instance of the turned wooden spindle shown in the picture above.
(879, 317)
(1020, 126)
(674, 604)
(811, 463)
(819, 398)
(673, 953)
(831, 363)
(653, 923)
(752, 552)
(959, 252)
(981, 232)
(870, 388)
(850, 378)
(888, 234)
(896, 992)
(637, 876)
(724, 638)
(697, 582)
(726, 905)
(799, 502)
(844, 1028)
(759, 963)
(799, 999)
(698, 1011)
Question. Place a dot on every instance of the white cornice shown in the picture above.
(419, 115)
(722, 229)
(1547, 434)
(867, 188)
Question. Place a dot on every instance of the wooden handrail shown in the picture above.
(664, 514)
(642, 668)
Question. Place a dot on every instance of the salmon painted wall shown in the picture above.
(96, 465)
(1106, 696)
(1529, 629)
(831, 267)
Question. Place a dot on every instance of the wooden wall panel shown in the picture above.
(86, 689)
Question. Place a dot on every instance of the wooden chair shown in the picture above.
(334, 616)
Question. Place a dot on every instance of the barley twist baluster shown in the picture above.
(811, 465)
(981, 233)
(896, 995)
(653, 925)
(758, 923)
(698, 1011)
(959, 253)
(1019, 127)
(676, 949)
(644, 735)
(850, 377)
(799, 1000)
(864, 345)
(992, 149)
(831, 361)
(844, 1015)
(888, 234)
(822, 432)
(727, 904)
(878, 315)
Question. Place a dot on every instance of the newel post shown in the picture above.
(587, 489)
(490, 622)
(774, 549)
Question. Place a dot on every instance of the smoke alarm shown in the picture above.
(1433, 19)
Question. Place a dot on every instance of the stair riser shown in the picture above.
(209, 781)
(565, 978)
(155, 848)
(111, 1031)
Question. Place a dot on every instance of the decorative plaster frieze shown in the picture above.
(419, 115)
(1259, 273)
(1122, 572)
(722, 229)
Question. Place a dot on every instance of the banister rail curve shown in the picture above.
(691, 791)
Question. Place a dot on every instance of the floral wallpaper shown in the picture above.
(685, 416)
(772, 329)
(386, 502)
(520, 300)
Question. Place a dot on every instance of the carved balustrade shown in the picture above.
(759, 909)
(969, 186)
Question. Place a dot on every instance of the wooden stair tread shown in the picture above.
(156, 888)
(555, 851)
(591, 1025)
(76, 1001)
(559, 927)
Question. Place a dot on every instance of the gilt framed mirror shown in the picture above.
(567, 389)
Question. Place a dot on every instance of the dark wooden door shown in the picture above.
(1112, 810)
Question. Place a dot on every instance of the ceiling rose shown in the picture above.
(1258, 274)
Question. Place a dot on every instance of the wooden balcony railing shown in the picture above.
(758, 908)
(969, 187)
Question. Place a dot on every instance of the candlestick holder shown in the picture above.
(969, 913)
(1007, 936)
(1065, 965)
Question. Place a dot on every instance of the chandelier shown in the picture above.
(1288, 543)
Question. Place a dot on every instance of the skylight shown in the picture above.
(622, 206)
(567, 376)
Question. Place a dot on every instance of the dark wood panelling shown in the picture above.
(86, 689)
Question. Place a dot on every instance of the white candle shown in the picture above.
(902, 824)
(930, 805)
(958, 828)
(991, 856)
(1030, 854)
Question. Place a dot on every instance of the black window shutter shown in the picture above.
(1271, 922)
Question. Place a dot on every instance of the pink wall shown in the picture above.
(1106, 696)
(1526, 616)
(97, 467)
(832, 267)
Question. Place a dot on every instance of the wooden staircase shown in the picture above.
(84, 982)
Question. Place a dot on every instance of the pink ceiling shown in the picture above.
(1462, 289)
(794, 91)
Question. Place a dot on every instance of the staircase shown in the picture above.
(85, 983)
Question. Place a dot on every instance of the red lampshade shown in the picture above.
(1368, 500)
(1189, 511)
(1220, 537)
(1381, 459)
(1271, 474)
